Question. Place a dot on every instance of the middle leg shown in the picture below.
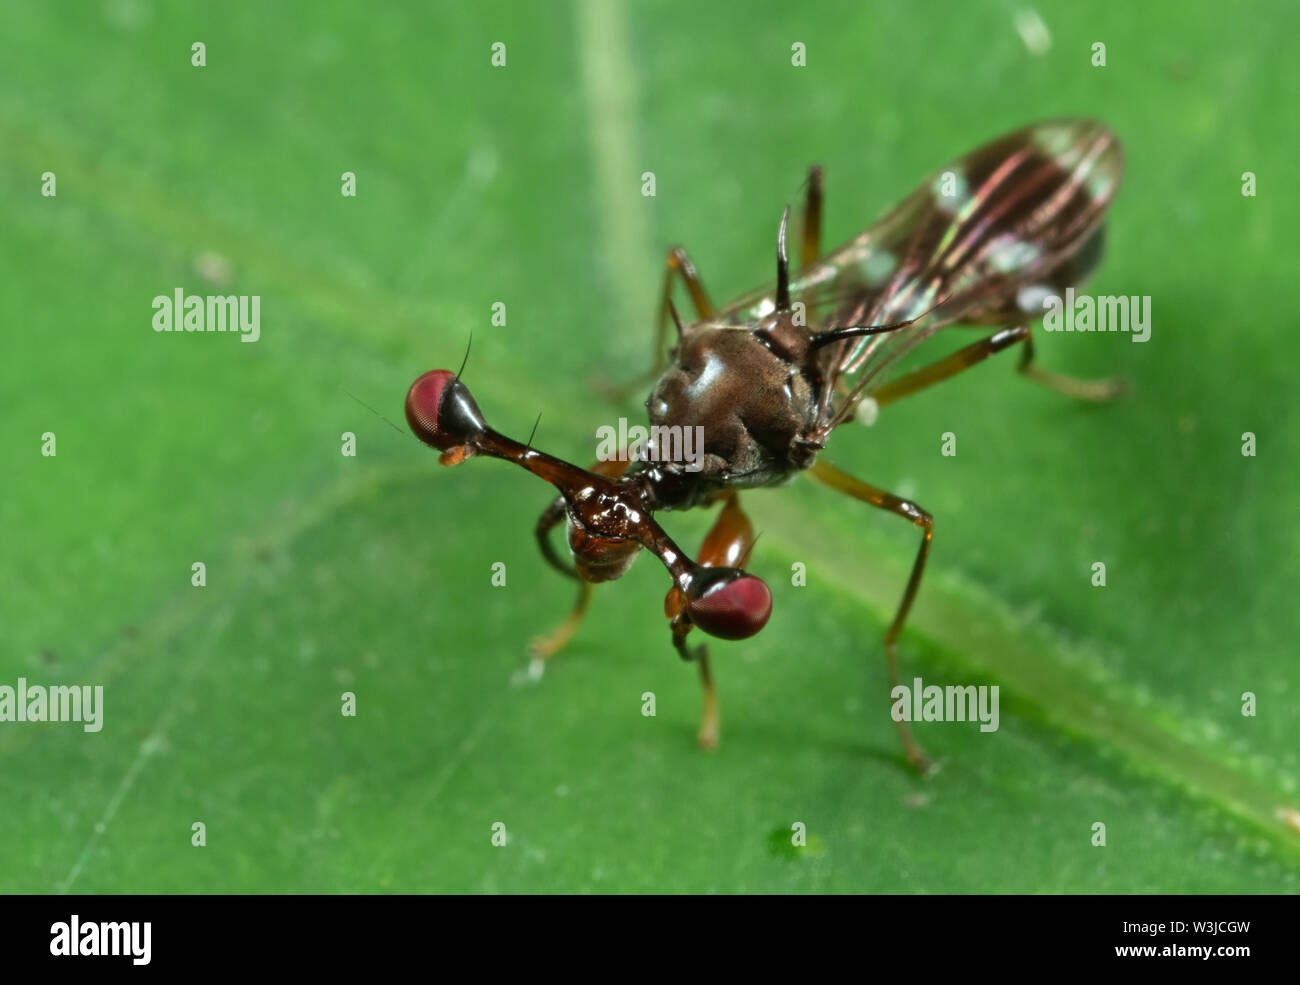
(867, 493)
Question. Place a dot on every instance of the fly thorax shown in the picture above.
(743, 401)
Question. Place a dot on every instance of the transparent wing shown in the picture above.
(981, 241)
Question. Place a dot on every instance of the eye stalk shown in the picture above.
(610, 517)
(731, 605)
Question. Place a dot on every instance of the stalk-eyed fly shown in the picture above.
(768, 378)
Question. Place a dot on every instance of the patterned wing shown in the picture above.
(982, 241)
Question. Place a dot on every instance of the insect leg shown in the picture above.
(544, 647)
(678, 265)
(1094, 390)
(812, 217)
(950, 365)
(551, 518)
(709, 718)
(727, 544)
(1097, 391)
(868, 493)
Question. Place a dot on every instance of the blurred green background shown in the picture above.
(372, 574)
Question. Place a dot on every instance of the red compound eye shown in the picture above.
(441, 411)
(733, 610)
(422, 402)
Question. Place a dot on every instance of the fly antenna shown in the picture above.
(782, 266)
(466, 359)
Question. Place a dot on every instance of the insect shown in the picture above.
(770, 376)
